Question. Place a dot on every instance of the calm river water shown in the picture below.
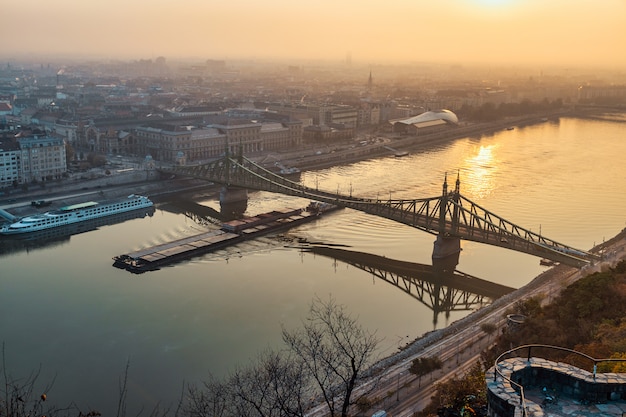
(65, 308)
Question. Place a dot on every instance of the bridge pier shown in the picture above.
(233, 201)
(445, 266)
(446, 246)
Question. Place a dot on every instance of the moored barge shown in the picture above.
(230, 233)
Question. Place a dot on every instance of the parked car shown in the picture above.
(40, 203)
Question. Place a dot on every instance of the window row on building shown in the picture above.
(202, 143)
(166, 142)
(31, 159)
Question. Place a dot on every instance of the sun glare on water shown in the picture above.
(479, 172)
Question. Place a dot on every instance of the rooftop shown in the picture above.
(429, 116)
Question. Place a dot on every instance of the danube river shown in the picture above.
(64, 309)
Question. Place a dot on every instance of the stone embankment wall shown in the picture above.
(83, 182)
(121, 178)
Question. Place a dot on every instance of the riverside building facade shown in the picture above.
(184, 144)
(31, 159)
(9, 163)
(42, 159)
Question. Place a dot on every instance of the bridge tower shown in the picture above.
(233, 200)
(445, 245)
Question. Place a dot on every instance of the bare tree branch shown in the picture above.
(335, 349)
(22, 397)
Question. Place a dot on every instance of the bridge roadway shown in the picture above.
(450, 216)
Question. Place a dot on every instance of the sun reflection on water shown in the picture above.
(479, 172)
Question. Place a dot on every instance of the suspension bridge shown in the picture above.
(450, 216)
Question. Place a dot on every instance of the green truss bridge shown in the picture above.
(451, 216)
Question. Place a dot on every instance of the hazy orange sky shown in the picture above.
(564, 32)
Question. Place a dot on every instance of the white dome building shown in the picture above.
(426, 122)
(430, 116)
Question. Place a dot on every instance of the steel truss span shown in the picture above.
(450, 215)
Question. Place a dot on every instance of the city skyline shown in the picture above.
(507, 32)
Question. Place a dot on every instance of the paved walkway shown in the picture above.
(569, 407)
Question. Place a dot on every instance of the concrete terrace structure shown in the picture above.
(537, 387)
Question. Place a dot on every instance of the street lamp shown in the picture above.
(398, 387)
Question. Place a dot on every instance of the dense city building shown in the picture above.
(42, 158)
(604, 93)
(174, 143)
(31, 159)
(320, 114)
(191, 112)
(9, 162)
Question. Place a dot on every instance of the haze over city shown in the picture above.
(183, 183)
(511, 32)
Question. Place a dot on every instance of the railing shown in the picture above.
(519, 388)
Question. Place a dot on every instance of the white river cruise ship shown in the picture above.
(76, 213)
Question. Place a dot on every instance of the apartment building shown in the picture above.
(9, 163)
(41, 158)
(31, 159)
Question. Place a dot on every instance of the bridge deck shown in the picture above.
(450, 214)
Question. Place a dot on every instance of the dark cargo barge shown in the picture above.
(232, 232)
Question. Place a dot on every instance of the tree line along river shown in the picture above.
(64, 307)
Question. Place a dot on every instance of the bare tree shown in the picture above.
(273, 385)
(23, 396)
(209, 401)
(335, 351)
(327, 358)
